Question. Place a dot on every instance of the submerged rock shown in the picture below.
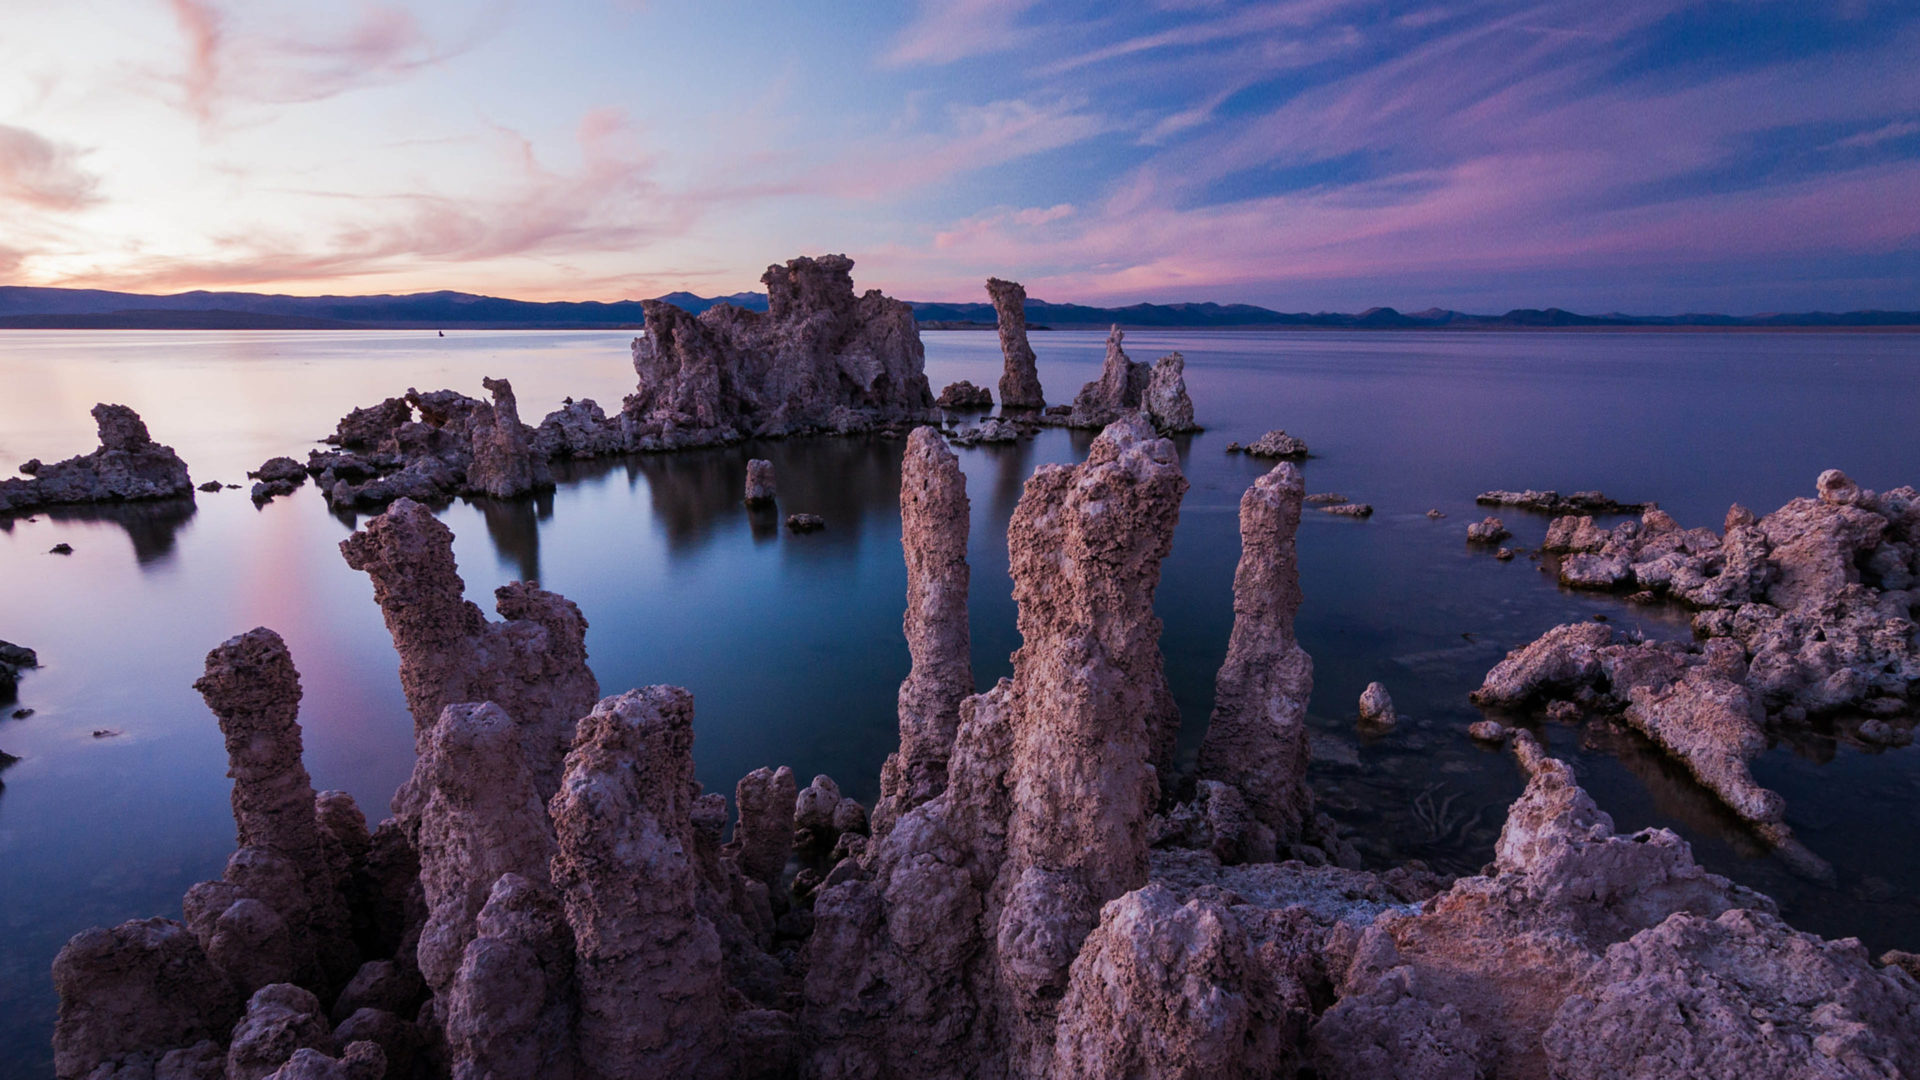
(129, 465)
(821, 360)
(964, 395)
(1020, 382)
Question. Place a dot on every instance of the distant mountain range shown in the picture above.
(39, 308)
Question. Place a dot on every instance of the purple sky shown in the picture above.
(1638, 155)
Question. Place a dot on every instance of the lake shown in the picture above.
(791, 644)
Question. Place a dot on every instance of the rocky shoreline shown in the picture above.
(1036, 893)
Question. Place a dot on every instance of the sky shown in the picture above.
(1650, 156)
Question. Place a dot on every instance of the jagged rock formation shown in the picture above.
(1256, 741)
(649, 972)
(1020, 382)
(819, 361)
(993, 429)
(578, 429)
(964, 395)
(533, 665)
(128, 465)
(1119, 390)
(934, 522)
(505, 463)
(1488, 530)
(277, 476)
(760, 485)
(1047, 913)
(1050, 787)
(1166, 400)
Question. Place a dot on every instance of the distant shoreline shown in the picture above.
(83, 323)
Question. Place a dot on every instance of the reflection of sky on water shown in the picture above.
(791, 644)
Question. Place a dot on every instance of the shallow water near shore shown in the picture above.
(791, 644)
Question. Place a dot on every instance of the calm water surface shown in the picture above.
(791, 644)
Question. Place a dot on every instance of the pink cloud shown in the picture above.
(43, 174)
(950, 30)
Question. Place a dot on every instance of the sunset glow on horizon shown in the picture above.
(1649, 155)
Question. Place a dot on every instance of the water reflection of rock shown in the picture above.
(1676, 795)
(514, 526)
(152, 525)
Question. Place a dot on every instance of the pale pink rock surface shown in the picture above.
(1020, 382)
(511, 1006)
(1736, 997)
(651, 989)
(760, 484)
(479, 815)
(934, 521)
(1165, 398)
(533, 665)
(1256, 740)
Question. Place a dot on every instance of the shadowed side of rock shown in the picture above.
(1119, 390)
(1020, 381)
(128, 465)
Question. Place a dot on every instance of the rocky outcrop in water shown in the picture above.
(578, 430)
(1052, 911)
(1552, 502)
(964, 395)
(1118, 391)
(1166, 400)
(934, 522)
(533, 665)
(1274, 444)
(277, 476)
(1256, 741)
(505, 462)
(128, 466)
(760, 486)
(1819, 593)
(1020, 382)
(13, 660)
(821, 360)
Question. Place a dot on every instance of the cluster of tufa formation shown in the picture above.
(1037, 895)
(1808, 610)
(428, 448)
(821, 360)
(1126, 386)
(128, 466)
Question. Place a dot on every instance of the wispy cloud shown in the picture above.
(1898, 129)
(40, 173)
(231, 58)
(950, 30)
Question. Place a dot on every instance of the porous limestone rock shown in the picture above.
(760, 486)
(143, 987)
(1020, 381)
(991, 430)
(1468, 986)
(1163, 989)
(362, 1060)
(533, 665)
(1732, 998)
(1552, 502)
(128, 465)
(578, 430)
(505, 463)
(820, 360)
(1352, 510)
(1278, 444)
(281, 1020)
(964, 395)
(1256, 740)
(934, 521)
(1489, 530)
(511, 1007)
(1376, 708)
(648, 974)
(763, 837)
(251, 685)
(1166, 400)
(478, 814)
(1120, 389)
